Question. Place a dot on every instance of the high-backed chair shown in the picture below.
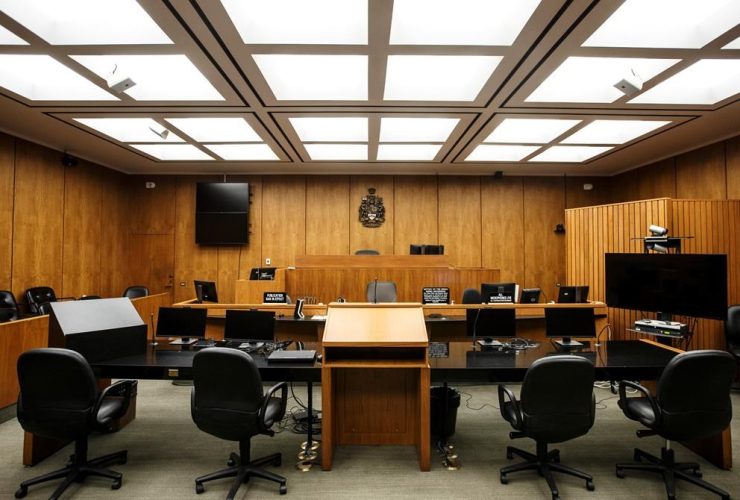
(385, 291)
(471, 296)
(59, 399)
(135, 292)
(228, 402)
(39, 295)
(692, 402)
(557, 404)
(732, 331)
(367, 252)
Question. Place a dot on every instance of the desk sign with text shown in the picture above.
(275, 298)
(435, 295)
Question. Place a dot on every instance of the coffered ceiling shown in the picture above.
(371, 86)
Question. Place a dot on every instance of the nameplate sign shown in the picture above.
(501, 298)
(435, 295)
(275, 298)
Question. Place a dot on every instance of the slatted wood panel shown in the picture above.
(360, 237)
(460, 220)
(416, 207)
(7, 173)
(283, 219)
(327, 215)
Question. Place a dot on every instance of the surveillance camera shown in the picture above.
(158, 129)
(69, 161)
(630, 84)
(118, 81)
(657, 230)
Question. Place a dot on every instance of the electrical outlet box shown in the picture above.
(268, 261)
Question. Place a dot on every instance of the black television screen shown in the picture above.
(692, 285)
(221, 229)
(222, 197)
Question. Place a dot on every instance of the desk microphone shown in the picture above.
(547, 301)
(375, 298)
(154, 333)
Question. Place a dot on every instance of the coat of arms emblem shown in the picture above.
(372, 211)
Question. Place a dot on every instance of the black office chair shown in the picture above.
(135, 292)
(228, 402)
(471, 296)
(384, 292)
(367, 252)
(557, 404)
(59, 399)
(692, 402)
(39, 295)
(732, 331)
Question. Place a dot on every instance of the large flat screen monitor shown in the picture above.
(498, 293)
(568, 322)
(249, 325)
(205, 291)
(187, 324)
(693, 285)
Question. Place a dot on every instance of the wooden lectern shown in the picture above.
(375, 378)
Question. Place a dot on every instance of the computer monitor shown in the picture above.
(568, 322)
(499, 293)
(249, 325)
(205, 291)
(489, 323)
(573, 295)
(188, 324)
(416, 249)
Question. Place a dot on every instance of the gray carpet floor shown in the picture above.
(167, 452)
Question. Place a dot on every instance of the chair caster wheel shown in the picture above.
(697, 473)
(22, 492)
(504, 479)
(283, 489)
(590, 486)
(620, 473)
(230, 463)
(116, 484)
(199, 488)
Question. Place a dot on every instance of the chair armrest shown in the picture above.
(503, 390)
(623, 399)
(122, 388)
(283, 401)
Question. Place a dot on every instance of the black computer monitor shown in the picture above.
(205, 291)
(188, 324)
(568, 322)
(249, 325)
(498, 293)
(489, 323)
(416, 249)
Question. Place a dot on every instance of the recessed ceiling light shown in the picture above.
(9, 38)
(682, 24)
(437, 78)
(216, 129)
(613, 131)
(592, 79)
(338, 22)
(464, 22)
(337, 151)
(402, 152)
(243, 152)
(331, 129)
(570, 154)
(416, 129)
(42, 78)
(489, 152)
(705, 82)
(158, 77)
(530, 130)
(86, 22)
(126, 129)
(733, 45)
(172, 152)
(314, 77)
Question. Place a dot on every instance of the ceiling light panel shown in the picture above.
(9, 38)
(705, 82)
(613, 131)
(685, 24)
(127, 129)
(463, 22)
(315, 77)
(86, 22)
(437, 78)
(416, 129)
(43, 78)
(592, 79)
(408, 152)
(172, 152)
(216, 129)
(490, 152)
(347, 152)
(318, 22)
(530, 130)
(331, 129)
(243, 152)
(570, 154)
(157, 77)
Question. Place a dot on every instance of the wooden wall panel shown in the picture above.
(152, 261)
(283, 219)
(732, 157)
(37, 218)
(7, 177)
(327, 215)
(152, 211)
(114, 235)
(657, 180)
(700, 174)
(416, 208)
(378, 238)
(502, 226)
(460, 219)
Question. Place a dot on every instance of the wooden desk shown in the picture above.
(375, 378)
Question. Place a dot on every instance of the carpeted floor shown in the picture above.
(167, 452)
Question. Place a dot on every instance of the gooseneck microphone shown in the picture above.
(375, 294)
(154, 332)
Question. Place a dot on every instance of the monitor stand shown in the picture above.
(568, 343)
(184, 341)
(489, 343)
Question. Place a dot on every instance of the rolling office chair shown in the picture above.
(557, 404)
(135, 292)
(39, 295)
(367, 252)
(385, 292)
(732, 332)
(8, 307)
(227, 401)
(59, 399)
(471, 296)
(692, 402)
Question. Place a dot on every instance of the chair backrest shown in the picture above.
(39, 295)
(557, 398)
(471, 296)
(732, 325)
(134, 292)
(367, 252)
(7, 300)
(227, 393)
(386, 291)
(694, 395)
